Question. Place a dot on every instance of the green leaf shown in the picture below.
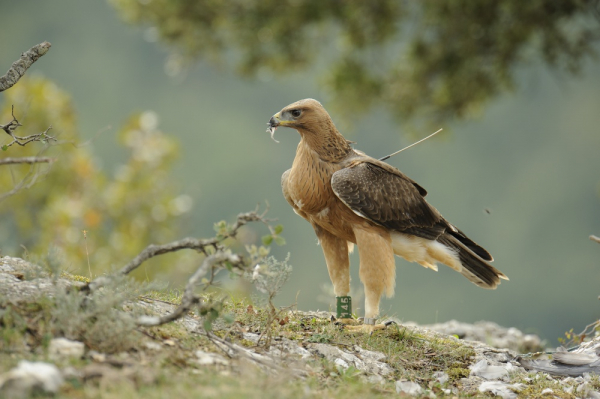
(278, 229)
(220, 226)
(279, 240)
(267, 240)
(207, 325)
(4, 147)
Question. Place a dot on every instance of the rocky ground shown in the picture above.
(295, 354)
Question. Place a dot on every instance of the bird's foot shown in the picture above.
(349, 321)
(367, 326)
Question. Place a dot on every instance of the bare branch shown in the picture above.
(200, 245)
(31, 177)
(594, 238)
(27, 181)
(189, 299)
(190, 243)
(19, 67)
(27, 160)
(234, 350)
(11, 126)
(23, 141)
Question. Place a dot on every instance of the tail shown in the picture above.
(474, 260)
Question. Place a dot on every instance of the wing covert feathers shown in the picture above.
(388, 199)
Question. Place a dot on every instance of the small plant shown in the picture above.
(269, 276)
(572, 339)
(99, 320)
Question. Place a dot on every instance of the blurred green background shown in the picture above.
(520, 175)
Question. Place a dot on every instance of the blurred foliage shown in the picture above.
(432, 59)
(119, 214)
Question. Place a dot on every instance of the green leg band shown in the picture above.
(344, 307)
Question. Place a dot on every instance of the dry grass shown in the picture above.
(160, 362)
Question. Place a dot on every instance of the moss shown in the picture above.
(247, 343)
(457, 373)
(413, 355)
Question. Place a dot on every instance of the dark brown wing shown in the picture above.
(389, 199)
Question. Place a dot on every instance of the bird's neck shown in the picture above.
(328, 143)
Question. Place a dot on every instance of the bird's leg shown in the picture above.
(335, 250)
(377, 272)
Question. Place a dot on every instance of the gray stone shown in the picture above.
(30, 377)
(362, 360)
(484, 370)
(502, 389)
(62, 348)
(409, 388)
(488, 332)
(440, 377)
(208, 358)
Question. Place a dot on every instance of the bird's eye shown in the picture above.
(295, 113)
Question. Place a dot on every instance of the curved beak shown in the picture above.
(273, 123)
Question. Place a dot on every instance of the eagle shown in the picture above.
(351, 198)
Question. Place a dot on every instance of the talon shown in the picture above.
(346, 322)
(368, 325)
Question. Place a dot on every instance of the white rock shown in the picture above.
(547, 390)
(208, 359)
(363, 363)
(342, 363)
(482, 369)
(409, 388)
(441, 377)
(376, 379)
(155, 346)
(502, 389)
(583, 389)
(62, 348)
(28, 377)
(568, 389)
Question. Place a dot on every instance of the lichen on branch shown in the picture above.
(20, 66)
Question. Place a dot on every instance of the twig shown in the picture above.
(189, 299)
(87, 253)
(190, 243)
(594, 238)
(233, 350)
(26, 182)
(23, 141)
(11, 126)
(27, 160)
(187, 243)
(147, 298)
(18, 68)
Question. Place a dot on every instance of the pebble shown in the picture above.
(63, 348)
(28, 378)
(409, 388)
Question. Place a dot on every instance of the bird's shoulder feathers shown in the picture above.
(382, 194)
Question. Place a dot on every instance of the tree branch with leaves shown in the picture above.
(217, 257)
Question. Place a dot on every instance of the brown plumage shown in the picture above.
(350, 198)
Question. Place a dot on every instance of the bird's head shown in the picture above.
(302, 115)
(315, 126)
